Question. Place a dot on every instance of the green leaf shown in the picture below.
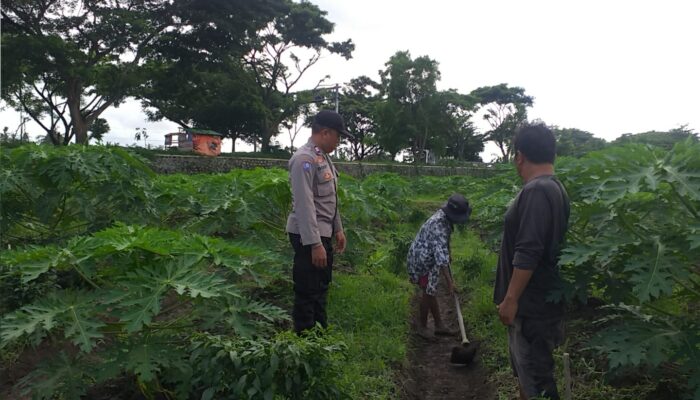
(141, 309)
(71, 311)
(208, 394)
(195, 283)
(694, 237)
(686, 182)
(637, 339)
(81, 329)
(147, 286)
(29, 320)
(62, 376)
(144, 360)
(653, 276)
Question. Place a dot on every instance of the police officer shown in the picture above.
(315, 219)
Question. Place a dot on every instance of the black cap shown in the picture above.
(333, 120)
(457, 209)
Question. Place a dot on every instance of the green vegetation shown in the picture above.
(370, 311)
(179, 285)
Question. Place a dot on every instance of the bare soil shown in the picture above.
(429, 374)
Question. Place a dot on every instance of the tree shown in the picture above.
(66, 62)
(301, 26)
(665, 140)
(70, 58)
(414, 114)
(202, 82)
(98, 129)
(461, 139)
(408, 87)
(505, 109)
(358, 101)
(206, 96)
(575, 142)
(294, 127)
(391, 133)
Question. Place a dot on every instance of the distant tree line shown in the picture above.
(235, 67)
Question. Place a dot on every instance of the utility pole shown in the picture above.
(336, 94)
(337, 87)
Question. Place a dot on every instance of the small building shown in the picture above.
(201, 141)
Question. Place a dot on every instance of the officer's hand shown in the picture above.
(340, 242)
(318, 256)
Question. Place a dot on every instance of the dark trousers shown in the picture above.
(531, 342)
(310, 285)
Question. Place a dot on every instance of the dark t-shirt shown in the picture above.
(534, 229)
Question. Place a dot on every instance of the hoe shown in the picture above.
(462, 355)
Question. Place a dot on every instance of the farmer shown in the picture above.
(315, 219)
(429, 254)
(534, 228)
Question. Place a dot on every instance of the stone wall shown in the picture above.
(170, 164)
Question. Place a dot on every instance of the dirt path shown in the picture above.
(430, 375)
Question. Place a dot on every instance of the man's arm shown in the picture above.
(450, 281)
(340, 239)
(509, 307)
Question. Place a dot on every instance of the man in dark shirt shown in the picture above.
(534, 228)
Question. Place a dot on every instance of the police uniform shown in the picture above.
(314, 219)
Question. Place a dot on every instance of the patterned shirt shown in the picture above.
(430, 250)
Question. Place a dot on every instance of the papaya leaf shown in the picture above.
(694, 237)
(196, 283)
(637, 338)
(32, 262)
(61, 376)
(147, 359)
(72, 311)
(35, 319)
(686, 182)
(143, 303)
(653, 276)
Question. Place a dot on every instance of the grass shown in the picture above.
(474, 269)
(370, 309)
(371, 314)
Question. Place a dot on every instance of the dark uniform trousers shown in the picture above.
(310, 284)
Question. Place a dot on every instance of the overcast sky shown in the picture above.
(607, 67)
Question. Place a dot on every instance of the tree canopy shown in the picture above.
(665, 140)
(65, 63)
(505, 108)
(575, 142)
(217, 64)
(414, 114)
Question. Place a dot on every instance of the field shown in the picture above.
(120, 283)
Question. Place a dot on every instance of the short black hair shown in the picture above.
(536, 142)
